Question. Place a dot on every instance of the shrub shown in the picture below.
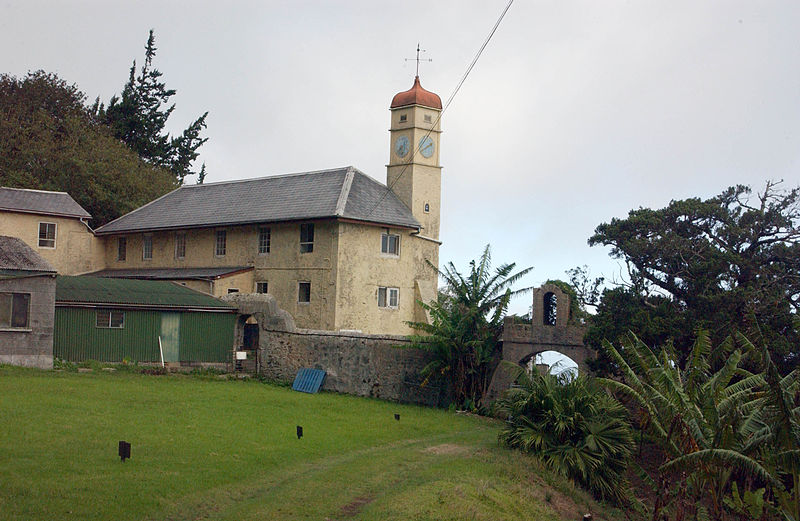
(574, 427)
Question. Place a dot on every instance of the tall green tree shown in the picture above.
(139, 116)
(714, 263)
(465, 326)
(49, 140)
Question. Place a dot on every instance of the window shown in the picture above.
(388, 297)
(403, 118)
(307, 238)
(550, 307)
(390, 244)
(147, 247)
(428, 118)
(263, 240)
(303, 292)
(262, 287)
(14, 309)
(108, 319)
(47, 235)
(220, 243)
(233, 290)
(427, 208)
(180, 245)
(122, 248)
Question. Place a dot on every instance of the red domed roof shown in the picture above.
(416, 96)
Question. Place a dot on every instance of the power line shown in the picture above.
(446, 105)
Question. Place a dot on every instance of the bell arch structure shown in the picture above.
(549, 330)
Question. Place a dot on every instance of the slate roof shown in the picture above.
(337, 193)
(171, 273)
(16, 257)
(127, 293)
(40, 202)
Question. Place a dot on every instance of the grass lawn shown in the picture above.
(205, 448)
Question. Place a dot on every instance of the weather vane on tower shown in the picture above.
(417, 59)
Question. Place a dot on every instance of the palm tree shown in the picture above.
(577, 429)
(465, 326)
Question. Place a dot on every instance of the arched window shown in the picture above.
(549, 306)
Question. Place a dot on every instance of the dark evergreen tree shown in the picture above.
(50, 141)
(138, 117)
(728, 263)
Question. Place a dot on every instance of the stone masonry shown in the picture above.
(521, 342)
(380, 366)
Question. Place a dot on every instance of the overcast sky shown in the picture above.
(577, 112)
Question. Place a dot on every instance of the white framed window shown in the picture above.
(122, 248)
(220, 243)
(306, 238)
(108, 319)
(47, 235)
(390, 243)
(388, 297)
(15, 310)
(304, 292)
(262, 287)
(180, 245)
(264, 236)
(147, 247)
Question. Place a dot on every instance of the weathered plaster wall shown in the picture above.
(419, 182)
(76, 251)
(282, 268)
(241, 281)
(359, 364)
(32, 346)
(363, 268)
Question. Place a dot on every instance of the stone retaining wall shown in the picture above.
(380, 366)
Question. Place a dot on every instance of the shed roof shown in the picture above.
(41, 202)
(16, 257)
(127, 293)
(171, 273)
(337, 193)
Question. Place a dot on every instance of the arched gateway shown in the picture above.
(549, 331)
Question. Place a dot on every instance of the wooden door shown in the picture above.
(170, 336)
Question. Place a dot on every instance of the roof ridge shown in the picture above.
(261, 178)
(35, 190)
(345, 193)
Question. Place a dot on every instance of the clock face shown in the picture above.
(401, 146)
(426, 146)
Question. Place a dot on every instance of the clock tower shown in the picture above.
(413, 172)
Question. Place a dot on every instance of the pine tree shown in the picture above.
(139, 115)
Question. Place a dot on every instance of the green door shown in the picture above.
(170, 335)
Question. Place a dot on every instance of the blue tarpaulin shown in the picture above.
(308, 380)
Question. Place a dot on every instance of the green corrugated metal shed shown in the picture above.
(205, 325)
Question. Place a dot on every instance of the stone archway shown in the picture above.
(258, 315)
(523, 341)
